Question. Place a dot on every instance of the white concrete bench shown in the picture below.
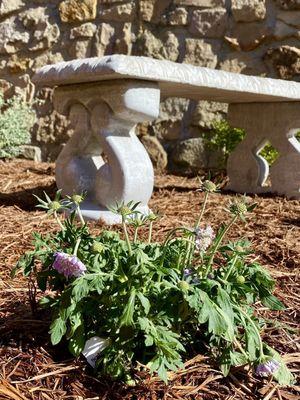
(106, 97)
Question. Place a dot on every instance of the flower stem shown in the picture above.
(126, 236)
(58, 220)
(217, 245)
(202, 209)
(135, 235)
(188, 251)
(261, 349)
(76, 247)
(150, 232)
(80, 215)
(231, 267)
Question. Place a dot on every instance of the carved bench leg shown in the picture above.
(104, 158)
(276, 123)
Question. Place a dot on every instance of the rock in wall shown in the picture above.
(258, 37)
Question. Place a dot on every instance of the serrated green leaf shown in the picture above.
(272, 303)
(77, 341)
(57, 330)
(127, 316)
(145, 302)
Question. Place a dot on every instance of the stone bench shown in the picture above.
(106, 97)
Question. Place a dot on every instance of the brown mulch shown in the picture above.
(30, 368)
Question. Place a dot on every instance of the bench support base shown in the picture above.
(104, 158)
(276, 123)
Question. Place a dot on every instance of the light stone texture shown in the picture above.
(211, 23)
(201, 3)
(31, 153)
(9, 6)
(86, 30)
(122, 12)
(178, 17)
(156, 152)
(104, 117)
(104, 39)
(11, 39)
(285, 60)
(190, 154)
(198, 52)
(248, 10)
(77, 11)
(242, 62)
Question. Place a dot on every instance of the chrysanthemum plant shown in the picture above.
(122, 301)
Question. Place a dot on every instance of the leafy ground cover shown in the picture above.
(31, 368)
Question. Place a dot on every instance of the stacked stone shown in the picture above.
(258, 37)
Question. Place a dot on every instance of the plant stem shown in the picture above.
(76, 247)
(80, 215)
(150, 232)
(202, 209)
(240, 347)
(126, 236)
(135, 235)
(191, 247)
(261, 349)
(217, 245)
(188, 251)
(231, 267)
(58, 220)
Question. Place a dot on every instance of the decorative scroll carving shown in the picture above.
(104, 116)
(273, 122)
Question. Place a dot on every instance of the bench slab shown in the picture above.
(174, 79)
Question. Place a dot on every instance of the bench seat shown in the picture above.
(105, 97)
(174, 80)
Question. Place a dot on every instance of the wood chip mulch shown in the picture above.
(30, 368)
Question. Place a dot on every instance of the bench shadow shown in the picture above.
(25, 199)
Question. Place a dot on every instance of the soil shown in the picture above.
(30, 368)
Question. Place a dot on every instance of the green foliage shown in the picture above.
(157, 303)
(226, 138)
(16, 120)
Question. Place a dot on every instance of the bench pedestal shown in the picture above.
(104, 158)
(276, 123)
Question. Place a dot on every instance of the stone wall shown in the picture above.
(259, 37)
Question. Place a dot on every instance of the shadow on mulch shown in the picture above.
(24, 199)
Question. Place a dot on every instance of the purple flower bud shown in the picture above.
(68, 265)
(268, 368)
(187, 272)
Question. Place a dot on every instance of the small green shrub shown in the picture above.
(154, 303)
(16, 119)
(224, 137)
